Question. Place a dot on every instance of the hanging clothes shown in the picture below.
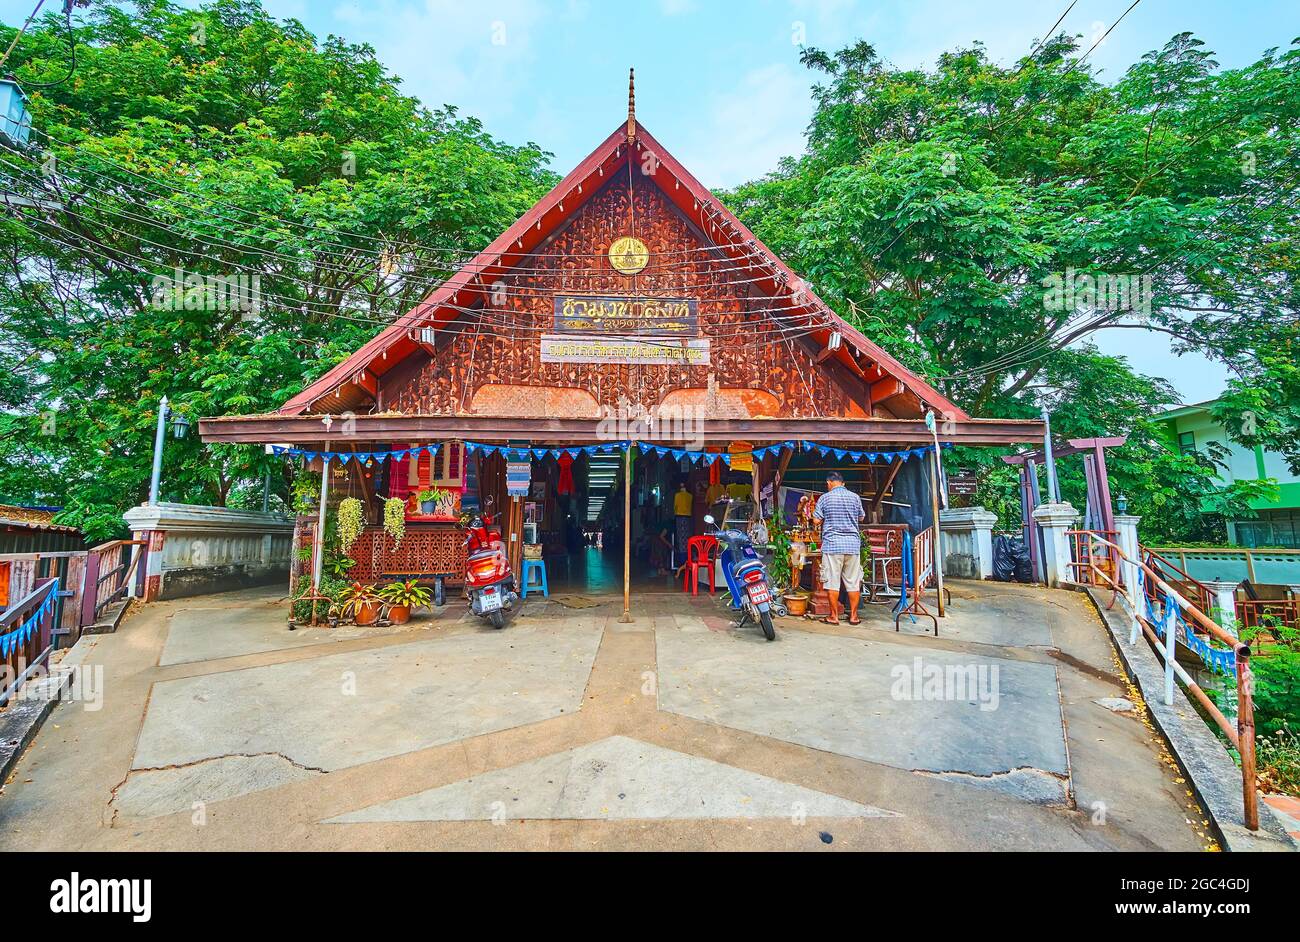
(565, 485)
(424, 472)
(399, 475)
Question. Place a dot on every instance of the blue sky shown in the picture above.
(719, 82)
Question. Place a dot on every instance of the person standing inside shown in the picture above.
(839, 512)
(684, 512)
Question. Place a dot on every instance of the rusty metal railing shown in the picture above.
(1139, 582)
(1256, 613)
(1085, 556)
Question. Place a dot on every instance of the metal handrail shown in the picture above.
(1206, 596)
(1243, 736)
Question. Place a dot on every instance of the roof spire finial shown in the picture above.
(631, 105)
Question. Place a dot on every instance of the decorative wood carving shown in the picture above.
(425, 550)
(498, 344)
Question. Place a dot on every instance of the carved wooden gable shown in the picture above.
(489, 361)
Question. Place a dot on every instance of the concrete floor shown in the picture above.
(220, 729)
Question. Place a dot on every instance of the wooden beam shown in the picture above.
(886, 389)
(306, 429)
(884, 486)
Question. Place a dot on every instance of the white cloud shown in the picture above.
(746, 130)
(477, 56)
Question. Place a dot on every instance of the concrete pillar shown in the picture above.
(967, 548)
(1127, 527)
(1056, 519)
(1225, 603)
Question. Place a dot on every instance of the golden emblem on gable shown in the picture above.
(629, 255)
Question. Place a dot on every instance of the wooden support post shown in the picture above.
(937, 551)
(90, 589)
(318, 546)
(626, 617)
(1103, 489)
(880, 494)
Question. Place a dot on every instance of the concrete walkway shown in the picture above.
(220, 729)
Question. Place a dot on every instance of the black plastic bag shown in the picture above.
(1011, 561)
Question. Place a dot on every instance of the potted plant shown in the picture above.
(351, 521)
(796, 603)
(395, 519)
(437, 502)
(362, 603)
(400, 597)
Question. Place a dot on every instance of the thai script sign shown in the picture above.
(665, 352)
(595, 315)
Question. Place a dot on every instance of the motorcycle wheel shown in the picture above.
(497, 618)
(765, 620)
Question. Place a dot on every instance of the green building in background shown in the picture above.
(1193, 428)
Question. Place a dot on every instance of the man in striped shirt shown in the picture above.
(840, 513)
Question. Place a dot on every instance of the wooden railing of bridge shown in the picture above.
(27, 635)
(110, 569)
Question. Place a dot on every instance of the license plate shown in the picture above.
(758, 595)
(490, 603)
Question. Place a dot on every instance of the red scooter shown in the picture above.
(488, 579)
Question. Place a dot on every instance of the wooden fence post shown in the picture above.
(90, 589)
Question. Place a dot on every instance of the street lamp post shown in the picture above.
(163, 411)
(180, 425)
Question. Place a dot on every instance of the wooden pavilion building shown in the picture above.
(627, 305)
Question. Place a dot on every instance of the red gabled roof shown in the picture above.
(395, 342)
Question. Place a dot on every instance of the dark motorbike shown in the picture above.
(746, 577)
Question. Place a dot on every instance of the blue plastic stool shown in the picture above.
(535, 566)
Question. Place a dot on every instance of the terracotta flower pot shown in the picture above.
(796, 604)
(367, 614)
(399, 614)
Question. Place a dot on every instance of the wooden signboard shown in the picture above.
(962, 485)
(643, 351)
(614, 315)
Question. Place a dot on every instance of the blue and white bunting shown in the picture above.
(365, 457)
(12, 639)
(694, 457)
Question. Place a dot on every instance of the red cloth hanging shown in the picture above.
(715, 472)
(566, 474)
(425, 472)
(399, 475)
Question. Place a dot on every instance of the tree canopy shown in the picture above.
(982, 222)
(212, 142)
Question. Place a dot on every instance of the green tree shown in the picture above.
(963, 217)
(212, 142)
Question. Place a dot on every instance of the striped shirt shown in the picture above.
(840, 511)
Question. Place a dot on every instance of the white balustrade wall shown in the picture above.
(195, 550)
